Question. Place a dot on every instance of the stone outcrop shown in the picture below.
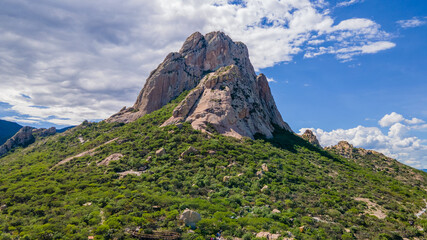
(112, 157)
(42, 132)
(310, 137)
(24, 137)
(225, 91)
(347, 150)
(183, 70)
(190, 150)
(233, 103)
(160, 152)
(190, 217)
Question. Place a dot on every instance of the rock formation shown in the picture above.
(310, 137)
(24, 137)
(232, 103)
(347, 150)
(226, 94)
(190, 217)
(181, 71)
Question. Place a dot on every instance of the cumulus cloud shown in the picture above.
(79, 60)
(398, 142)
(392, 118)
(411, 23)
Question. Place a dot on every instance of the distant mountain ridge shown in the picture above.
(7, 130)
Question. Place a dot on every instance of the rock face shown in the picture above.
(190, 217)
(181, 71)
(347, 150)
(226, 94)
(233, 103)
(24, 137)
(310, 137)
(42, 132)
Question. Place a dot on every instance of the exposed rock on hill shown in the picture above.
(233, 99)
(24, 137)
(347, 150)
(311, 138)
(181, 71)
(234, 104)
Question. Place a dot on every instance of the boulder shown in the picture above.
(190, 217)
(264, 188)
(160, 152)
(264, 167)
(267, 235)
(190, 150)
(276, 211)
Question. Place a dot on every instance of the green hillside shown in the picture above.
(318, 194)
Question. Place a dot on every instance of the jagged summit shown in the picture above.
(238, 104)
(183, 70)
(309, 136)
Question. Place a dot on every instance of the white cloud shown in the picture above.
(86, 59)
(410, 23)
(392, 118)
(348, 3)
(271, 80)
(399, 142)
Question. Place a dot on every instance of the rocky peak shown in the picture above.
(24, 137)
(225, 91)
(347, 150)
(310, 137)
(343, 148)
(183, 70)
(232, 104)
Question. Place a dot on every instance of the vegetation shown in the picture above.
(223, 181)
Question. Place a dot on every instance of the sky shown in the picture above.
(352, 70)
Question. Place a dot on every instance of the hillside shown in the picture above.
(211, 155)
(7, 130)
(224, 180)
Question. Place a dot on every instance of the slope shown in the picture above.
(235, 184)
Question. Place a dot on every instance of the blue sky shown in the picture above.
(349, 70)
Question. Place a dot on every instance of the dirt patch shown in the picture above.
(112, 157)
(373, 208)
(90, 152)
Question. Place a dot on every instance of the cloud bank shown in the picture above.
(65, 61)
(398, 142)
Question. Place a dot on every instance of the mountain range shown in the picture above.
(204, 153)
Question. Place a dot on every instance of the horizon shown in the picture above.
(348, 70)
